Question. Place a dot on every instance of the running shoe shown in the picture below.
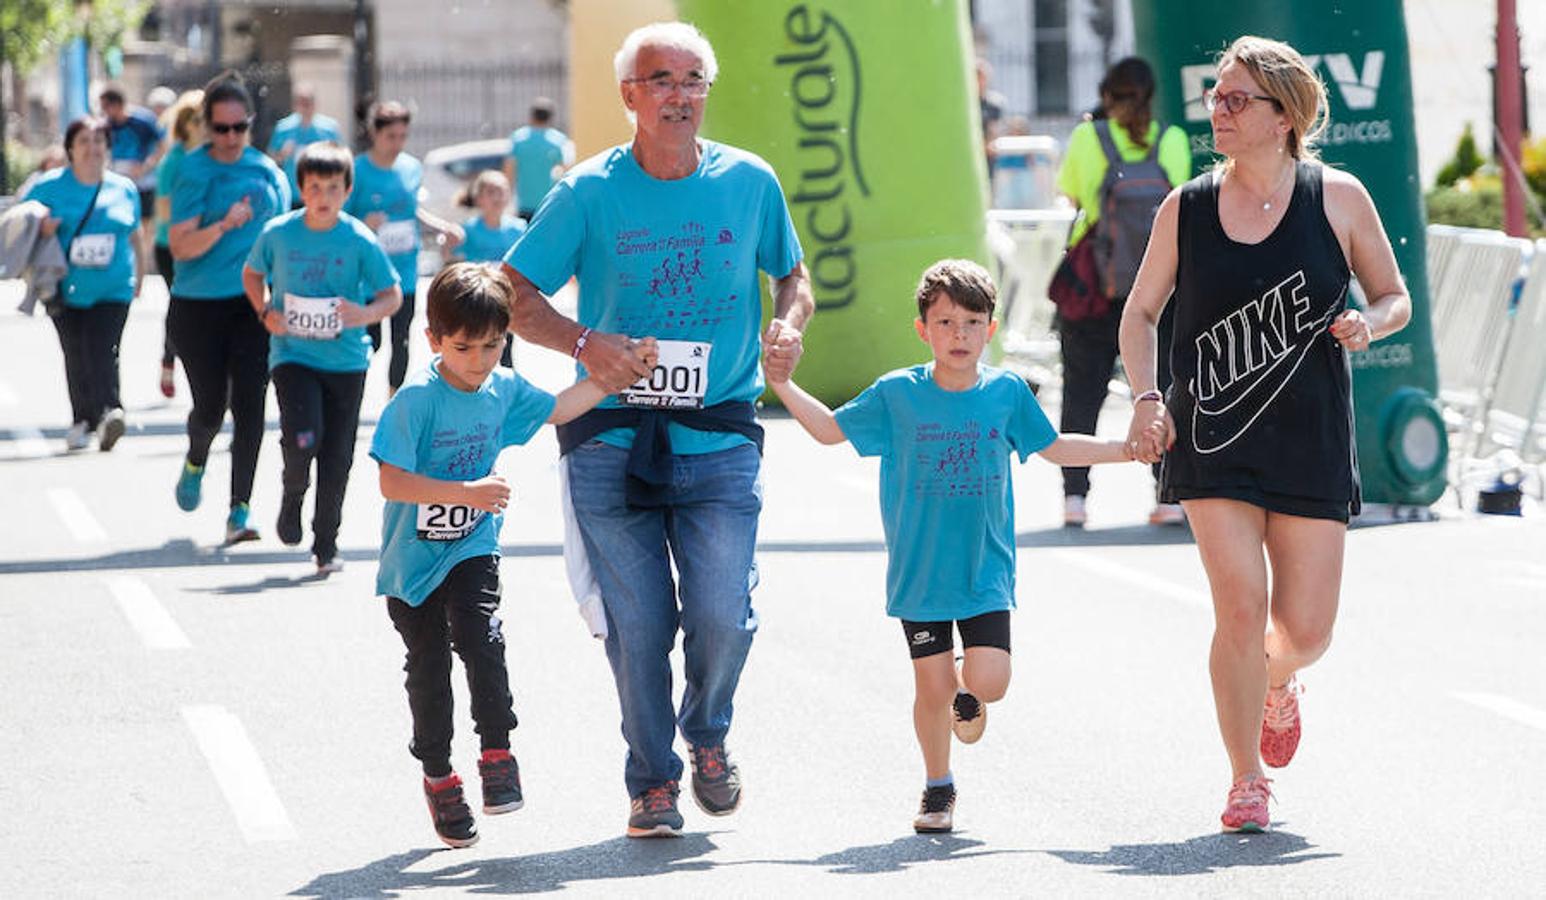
(289, 525)
(111, 430)
(450, 813)
(1280, 726)
(936, 812)
(236, 528)
(328, 567)
(168, 383)
(968, 717)
(501, 779)
(716, 781)
(190, 487)
(1246, 809)
(1167, 514)
(654, 814)
(78, 437)
(1073, 511)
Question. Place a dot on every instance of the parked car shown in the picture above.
(448, 169)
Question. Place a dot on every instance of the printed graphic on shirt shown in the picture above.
(959, 461)
(1246, 359)
(466, 448)
(664, 275)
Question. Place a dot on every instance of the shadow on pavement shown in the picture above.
(619, 857)
(1125, 536)
(902, 852)
(1199, 855)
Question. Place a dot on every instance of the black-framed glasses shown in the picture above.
(661, 86)
(1234, 101)
(228, 127)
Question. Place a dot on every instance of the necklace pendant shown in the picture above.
(1266, 207)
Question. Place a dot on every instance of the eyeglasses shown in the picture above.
(661, 86)
(1234, 101)
(228, 127)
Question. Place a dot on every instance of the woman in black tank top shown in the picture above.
(1257, 432)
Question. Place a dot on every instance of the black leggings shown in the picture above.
(319, 413)
(166, 266)
(224, 350)
(89, 337)
(402, 321)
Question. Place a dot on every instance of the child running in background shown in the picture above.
(330, 280)
(437, 441)
(946, 432)
(490, 234)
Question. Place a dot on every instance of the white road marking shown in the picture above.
(1144, 581)
(139, 604)
(1506, 707)
(28, 443)
(77, 518)
(7, 396)
(240, 774)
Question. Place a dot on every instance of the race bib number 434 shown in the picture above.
(312, 318)
(680, 379)
(93, 251)
(446, 521)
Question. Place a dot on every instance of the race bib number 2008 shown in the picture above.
(446, 521)
(680, 379)
(312, 318)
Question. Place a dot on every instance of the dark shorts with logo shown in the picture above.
(1286, 504)
(928, 638)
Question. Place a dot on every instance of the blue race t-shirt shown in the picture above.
(946, 495)
(394, 191)
(537, 151)
(207, 189)
(485, 244)
(289, 130)
(101, 255)
(675, 260)
(430, 428)
(133, 140)
(166, 179)
(344, 262)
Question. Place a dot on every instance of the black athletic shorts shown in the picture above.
(147, 204)
(987, 630)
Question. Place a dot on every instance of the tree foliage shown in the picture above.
(1464, 163)
(33, 28)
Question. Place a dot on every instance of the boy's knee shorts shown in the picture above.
(987, 630)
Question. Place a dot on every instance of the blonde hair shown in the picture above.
(185, 113)
(1284, 76)
(468, 195)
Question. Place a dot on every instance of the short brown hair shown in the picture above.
(325, 158)
(967, 284)
(470, 298)
(388, 112)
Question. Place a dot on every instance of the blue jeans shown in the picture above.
(710, 530)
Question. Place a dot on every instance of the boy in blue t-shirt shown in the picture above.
(437, 441)
(946, 432)
(330, 280)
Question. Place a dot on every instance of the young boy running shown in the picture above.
(323, 265)
(945, 432)
(437, 441)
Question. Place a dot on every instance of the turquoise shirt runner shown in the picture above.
(343, 262)
(290, 130)
(430, 428)
(166, 179)
(207, 189)
(394, 191)
(485, 244)
(101, 255)
(946, 488)
(675, 260)
(537, 151)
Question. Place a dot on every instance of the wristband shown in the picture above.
(1150, 394)
(579, 343)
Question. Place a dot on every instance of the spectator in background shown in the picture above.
(539, 154)
(184, 124)
(297, 131)
(1089, 346)
(134, 145)
(991, 106)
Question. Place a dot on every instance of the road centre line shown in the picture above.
(155, 625)
(1144, 581)
(240, 773)
(1507, 707)
(76, 517)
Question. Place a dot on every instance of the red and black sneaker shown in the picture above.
(449, 811)
(654, 813)
(501, 779)
(716, 781)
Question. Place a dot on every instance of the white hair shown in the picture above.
(673, 35)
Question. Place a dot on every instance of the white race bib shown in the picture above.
(446, 521)
(680, 379)
(93, 251)
(312, 318)
(398, 237)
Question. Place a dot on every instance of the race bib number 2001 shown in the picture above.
(446, 521)
(680, 379)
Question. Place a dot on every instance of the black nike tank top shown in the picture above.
(1262, 396)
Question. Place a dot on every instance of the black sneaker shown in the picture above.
(501, 779)
(453, 820)
(936, 813)
(653, 813)
(716, 781)
(968, 717)
(289, 525)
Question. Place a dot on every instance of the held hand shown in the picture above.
(1151, 432)
(49, 228)
(490, 494)
(614, 360)
(238, 215)
(782, 346)
(1352, 330)
(375, 220)
(647, 351)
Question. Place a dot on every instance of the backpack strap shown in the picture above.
(1154, 147)
(1103, 131)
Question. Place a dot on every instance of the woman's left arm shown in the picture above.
(1389, 306)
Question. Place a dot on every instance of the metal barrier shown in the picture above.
(1515, 418)
(1028, 245)
(1471, 318)
(456, 102)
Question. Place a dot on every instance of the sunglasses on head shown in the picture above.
(228, 127)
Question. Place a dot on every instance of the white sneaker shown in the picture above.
(324, 569)
(78, 437)
(1073, 511)
(111, 430)
(1167, 514)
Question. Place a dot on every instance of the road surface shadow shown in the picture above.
(1124, 536)
(1199, 855)
(897, 855)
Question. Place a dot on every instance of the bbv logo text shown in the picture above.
(1359, 88)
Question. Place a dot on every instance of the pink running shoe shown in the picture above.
(1280, 724)
(1246, 809)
